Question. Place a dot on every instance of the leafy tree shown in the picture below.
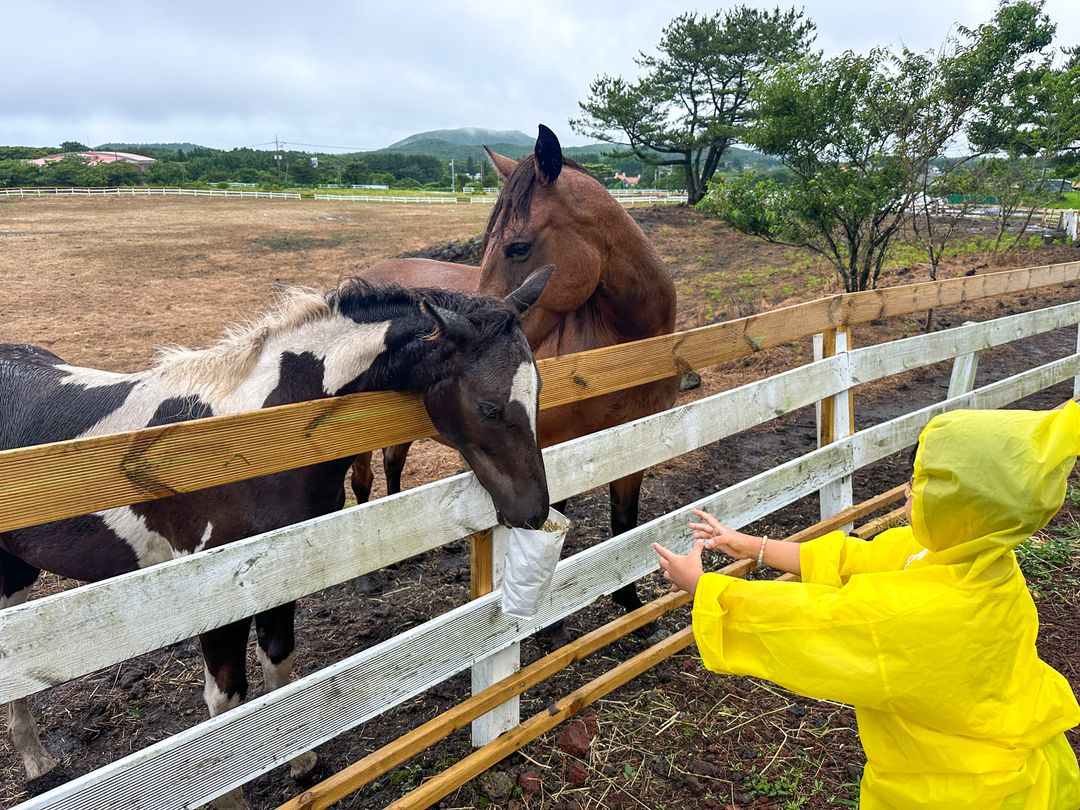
(858, 134)
(694, 98)
(73, 146)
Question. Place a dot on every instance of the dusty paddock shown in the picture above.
(102, 282)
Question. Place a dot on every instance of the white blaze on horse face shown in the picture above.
(526, 390)
(150, 547)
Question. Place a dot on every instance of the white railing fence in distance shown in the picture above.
(213, 757)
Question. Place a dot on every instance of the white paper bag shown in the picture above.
(531, 556)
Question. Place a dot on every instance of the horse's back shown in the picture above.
(37, 405)
(423, 273)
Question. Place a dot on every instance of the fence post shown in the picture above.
(488, 552)
(964, 367)
(835, 420)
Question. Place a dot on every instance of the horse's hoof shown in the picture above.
(48, 779)
(38, 765)
(303, 765)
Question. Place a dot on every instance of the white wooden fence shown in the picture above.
(144, 191)
(60, 637)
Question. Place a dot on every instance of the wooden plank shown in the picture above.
(875, 362)
(501, 663)
(836, 496)
(221, 753)
(375, 764)
(476, 763)
(51, 482)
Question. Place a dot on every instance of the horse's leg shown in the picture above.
(362, 477)
(276, 652)
(16, 577)
(224, 652)
(625, 494)
(393, 465)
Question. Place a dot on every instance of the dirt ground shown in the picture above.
(102, 282)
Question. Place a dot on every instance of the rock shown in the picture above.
(496, 785)
(690, 380)
(854, 772)
(591, 723)
(575, 739)
(576, 773)
(700, 767)
(797, 709)
(530, 782)
(688, 665)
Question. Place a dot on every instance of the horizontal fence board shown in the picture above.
(249, 576)
(224, 752)
(885, 359)
(51, 482)
(285, 564)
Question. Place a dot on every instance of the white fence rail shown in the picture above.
(213, 757)
(145, 191)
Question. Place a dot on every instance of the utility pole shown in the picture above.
(453, 184)
(277, 156)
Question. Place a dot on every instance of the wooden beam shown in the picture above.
(55, 481)
(476, 763)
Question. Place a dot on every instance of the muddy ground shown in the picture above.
(103, 282)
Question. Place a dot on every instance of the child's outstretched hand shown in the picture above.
(718, 536)
(682, 571)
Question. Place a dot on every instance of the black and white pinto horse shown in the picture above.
(465, 354)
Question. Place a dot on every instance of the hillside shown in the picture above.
(140, 148)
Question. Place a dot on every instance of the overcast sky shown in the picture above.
(361, 75)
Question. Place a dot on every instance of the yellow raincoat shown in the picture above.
(928, 630)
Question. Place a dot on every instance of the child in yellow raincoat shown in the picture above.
(928, 630)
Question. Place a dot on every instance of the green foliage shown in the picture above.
(693, 98)
(858, 134)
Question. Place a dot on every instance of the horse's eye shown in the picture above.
(489, 410)
(516, 250)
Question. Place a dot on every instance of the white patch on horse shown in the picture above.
(275, 675)
(349, 356)
(216, 700)
(526, 390)
(150, 547)
(90, 377)
(179, 552)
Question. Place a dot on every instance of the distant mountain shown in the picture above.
(158, 147)
(467, 136)
(462, 144)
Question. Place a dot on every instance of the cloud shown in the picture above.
(361, 74)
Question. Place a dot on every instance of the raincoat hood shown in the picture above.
(985, 481)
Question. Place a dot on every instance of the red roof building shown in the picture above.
(100, 156)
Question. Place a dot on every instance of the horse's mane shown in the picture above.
(222, 366)
(365, 302)
(515, 201)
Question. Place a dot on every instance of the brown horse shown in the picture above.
(608, 287)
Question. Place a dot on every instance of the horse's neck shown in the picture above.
(635, 293)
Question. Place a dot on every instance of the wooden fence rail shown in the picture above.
(211, 758)
(65, 479)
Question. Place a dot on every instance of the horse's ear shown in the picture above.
(503, 165)
(447, 323)
(549, 159)
(530, 290)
